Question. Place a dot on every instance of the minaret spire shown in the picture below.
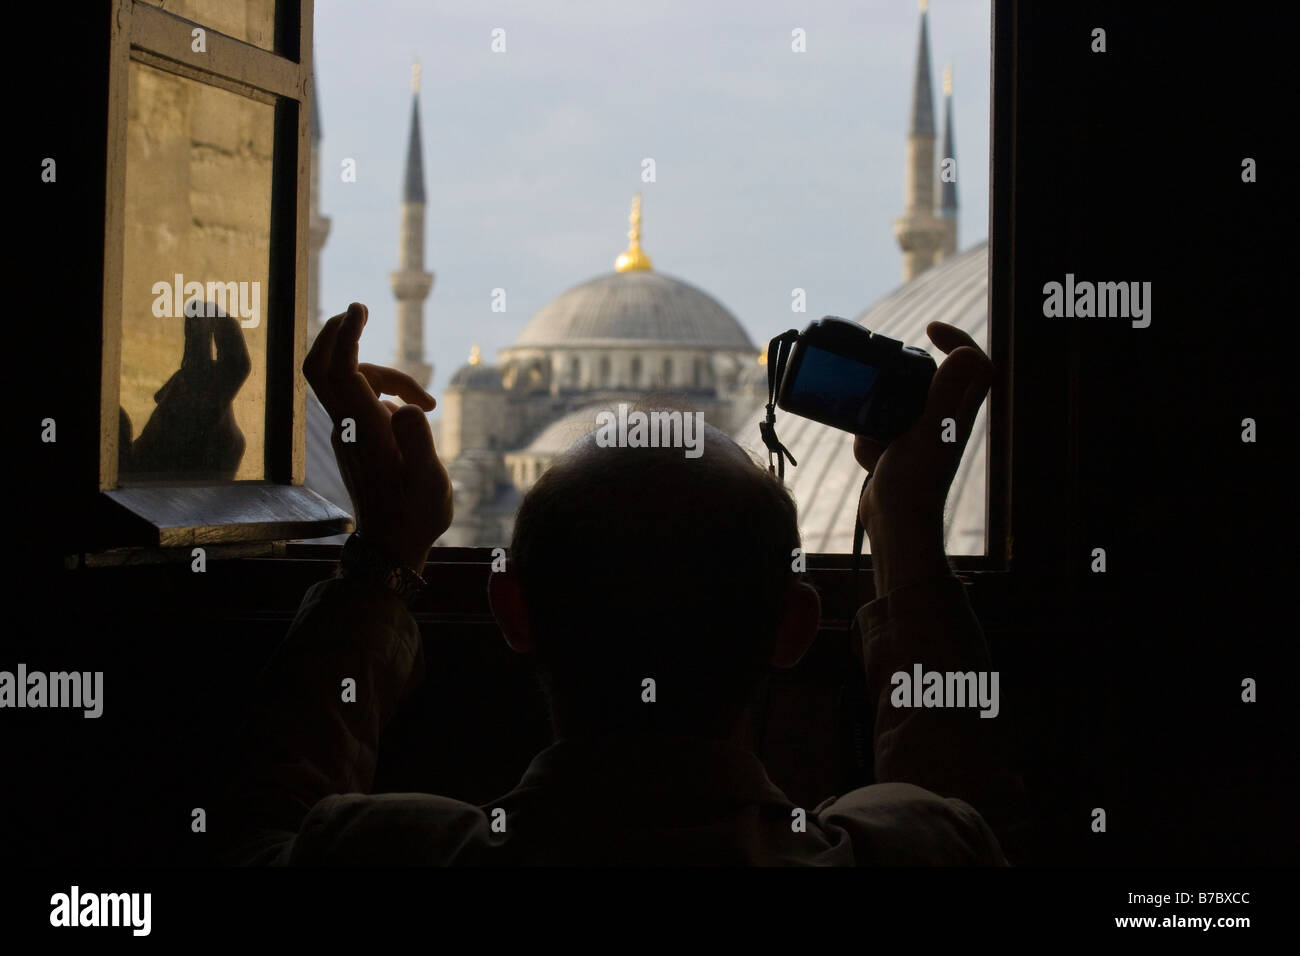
(918, 232)
(410, 282)
(922, 100)
(413, 190)
(947, 185)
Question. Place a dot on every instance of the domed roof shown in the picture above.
(558, 437)
(485, 378)
(828, 478)
(635, 308)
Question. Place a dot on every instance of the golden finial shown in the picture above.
(947, 80)
(633, 259)
(415, 77)
(762, 357)
(925, 5)
(474, 355)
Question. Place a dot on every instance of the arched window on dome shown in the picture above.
(604, 371)
(636, 371)
(701, 373)
(575, 372)
(668, 371)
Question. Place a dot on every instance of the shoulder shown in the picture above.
(391, 828)
(900, 824)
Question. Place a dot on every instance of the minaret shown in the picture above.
(318, 226)
(947, 190)
(411, 284)
(918, 231)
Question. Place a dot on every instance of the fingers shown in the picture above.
(867, 451)
(949, 338)
(316, 365)
(198, 340)
(415, 442)
(961, 381)
(969, 405)
(957, 389)
(390, 381)
(348, 387)
(347, 393)
(347, 341)
(232, 362)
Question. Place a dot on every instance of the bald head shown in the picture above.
(643, 562)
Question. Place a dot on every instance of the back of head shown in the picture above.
(640, 563)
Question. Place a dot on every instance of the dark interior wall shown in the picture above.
(1128, 167)
(1124, 686)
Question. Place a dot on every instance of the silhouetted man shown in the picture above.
(654, 590)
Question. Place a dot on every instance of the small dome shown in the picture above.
(559, 436)
(637, 307)
(481, 378)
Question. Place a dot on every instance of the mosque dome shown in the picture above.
(826, 482)
(559, 436)
(486, 378)
(635, 308)
(632, 306)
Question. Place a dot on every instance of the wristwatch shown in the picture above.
(360, 561)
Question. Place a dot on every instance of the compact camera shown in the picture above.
(840, 374)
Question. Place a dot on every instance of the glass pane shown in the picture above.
(197, 242)
(798, 170)
(252, 21)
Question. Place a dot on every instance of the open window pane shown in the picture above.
(834, 167)
(196, 269)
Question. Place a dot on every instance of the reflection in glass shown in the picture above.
(196, 254)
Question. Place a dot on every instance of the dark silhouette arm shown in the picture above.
(951, 751)
(308, 738)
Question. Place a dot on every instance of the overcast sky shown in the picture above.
(774, 169)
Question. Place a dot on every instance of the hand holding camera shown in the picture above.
(912, 423)
(902, 506)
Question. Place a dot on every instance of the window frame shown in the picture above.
(277, 506)
(843, 589)
(144, 32)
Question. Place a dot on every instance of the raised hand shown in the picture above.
(192, 432)
(902, 507)
(401, 494)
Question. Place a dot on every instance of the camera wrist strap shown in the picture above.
(778, 353)
(859, 532)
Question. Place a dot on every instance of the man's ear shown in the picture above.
(798, 627)
(507, 600)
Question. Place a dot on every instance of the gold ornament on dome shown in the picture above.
(633, 259)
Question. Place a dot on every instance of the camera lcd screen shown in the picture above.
(831, 388)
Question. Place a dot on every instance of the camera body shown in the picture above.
(842, 375)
